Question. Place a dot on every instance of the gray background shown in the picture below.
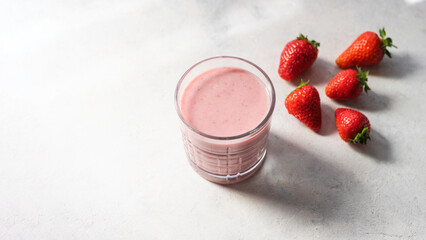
(90, 146)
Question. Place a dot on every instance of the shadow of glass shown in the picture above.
(379, 147)
(371, 102)
(296, 181)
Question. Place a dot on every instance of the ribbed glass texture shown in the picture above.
(230, 159)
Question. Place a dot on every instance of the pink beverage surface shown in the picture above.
(225, 102)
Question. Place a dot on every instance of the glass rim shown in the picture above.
(248, 133)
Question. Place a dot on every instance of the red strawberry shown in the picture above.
(368, 49)
(347, 84)
(297, 56)
(304, 104)
(352, 125)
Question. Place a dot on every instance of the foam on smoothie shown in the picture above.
(225, 102)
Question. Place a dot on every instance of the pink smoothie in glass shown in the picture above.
(225, 102)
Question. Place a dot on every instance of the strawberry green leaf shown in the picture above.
(386, 42)
(361, 137)
(302, 83)
(382, 32)
(362, 78)
(313, 42)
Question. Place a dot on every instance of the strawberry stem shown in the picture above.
(302, 83)
(386, 42)
(362, 78)
(313, 42)
(361, 137)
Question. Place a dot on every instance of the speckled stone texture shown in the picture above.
(90, 146)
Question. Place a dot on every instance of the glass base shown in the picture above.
(229, 179)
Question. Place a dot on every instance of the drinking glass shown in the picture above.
(230, 159)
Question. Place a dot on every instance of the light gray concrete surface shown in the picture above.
(90, 146)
